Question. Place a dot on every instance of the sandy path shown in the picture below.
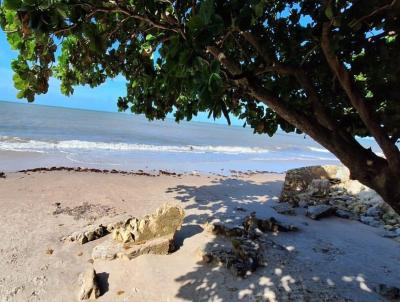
(331, 259)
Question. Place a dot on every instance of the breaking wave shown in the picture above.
(18, 144)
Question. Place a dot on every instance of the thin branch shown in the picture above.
(376, 12)
(301, 76)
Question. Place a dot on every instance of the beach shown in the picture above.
(328, 260)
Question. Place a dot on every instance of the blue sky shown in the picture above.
(102, 98)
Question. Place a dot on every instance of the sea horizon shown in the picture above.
(34, 136)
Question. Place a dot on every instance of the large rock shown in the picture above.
(89, 286)
(319, 186)
(298, 180)
(87, 234)
(165, 221)
(284, 208)
(91, 233)
(109, 249)
(153, 234)
(320, 211)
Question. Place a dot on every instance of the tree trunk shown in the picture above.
(385, 181)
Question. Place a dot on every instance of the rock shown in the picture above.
(388, 234)
(252, 224)
(319, 187)
(374, 211)
(389, 292)
(220, 229)
(89, 287)
(284, 208)
(165, 221)
(298, 180)
(397, 231)
(153, 234)
(243, 258)
(320, 211)
(303, 204)
(88, 234)
(343, 214)
(245, 254)
(371, 221)
(110, 249)
(2, 175)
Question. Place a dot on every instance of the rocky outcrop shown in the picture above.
(389, 292)
(153, 234)
(165, 221)
(87, 234)
(89, 286)
(245, 253)
(109, 249)
(91, 233)
(330, 188)
(284, 208)
(320, 211)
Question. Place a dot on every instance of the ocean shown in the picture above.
(34, 136)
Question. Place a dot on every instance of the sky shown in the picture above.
(102, 98)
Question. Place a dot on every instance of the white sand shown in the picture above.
(328, 260)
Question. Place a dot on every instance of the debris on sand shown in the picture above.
(86, 211)
(245, 253)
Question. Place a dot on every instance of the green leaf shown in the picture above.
(329, 12)
(206, 10)
(12, 4)
(150, 37)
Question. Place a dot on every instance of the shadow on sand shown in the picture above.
(294, 268)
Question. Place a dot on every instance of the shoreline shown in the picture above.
(149, 172)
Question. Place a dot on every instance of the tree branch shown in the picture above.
(376, 12)
(342, 146)
(301, 76)
(346, 80)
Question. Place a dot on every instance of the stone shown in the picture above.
(389, 292)
(343, 214)
(320, 211)
(371, 221)
(252, 224)
(374, 211)
(319, 187)
(284, 208)
(110, 249)
(303, 204)
(2, 175)
(397, 231)
(242, 259)
(153, 234)
(165, 221)
(388, 234)
(220, 229)
(298, 180)
(89, 286)
(87, 234)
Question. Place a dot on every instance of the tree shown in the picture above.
(330, 69)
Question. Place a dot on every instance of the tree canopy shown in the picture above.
(329, 68)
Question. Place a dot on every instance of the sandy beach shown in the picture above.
(328, 260)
